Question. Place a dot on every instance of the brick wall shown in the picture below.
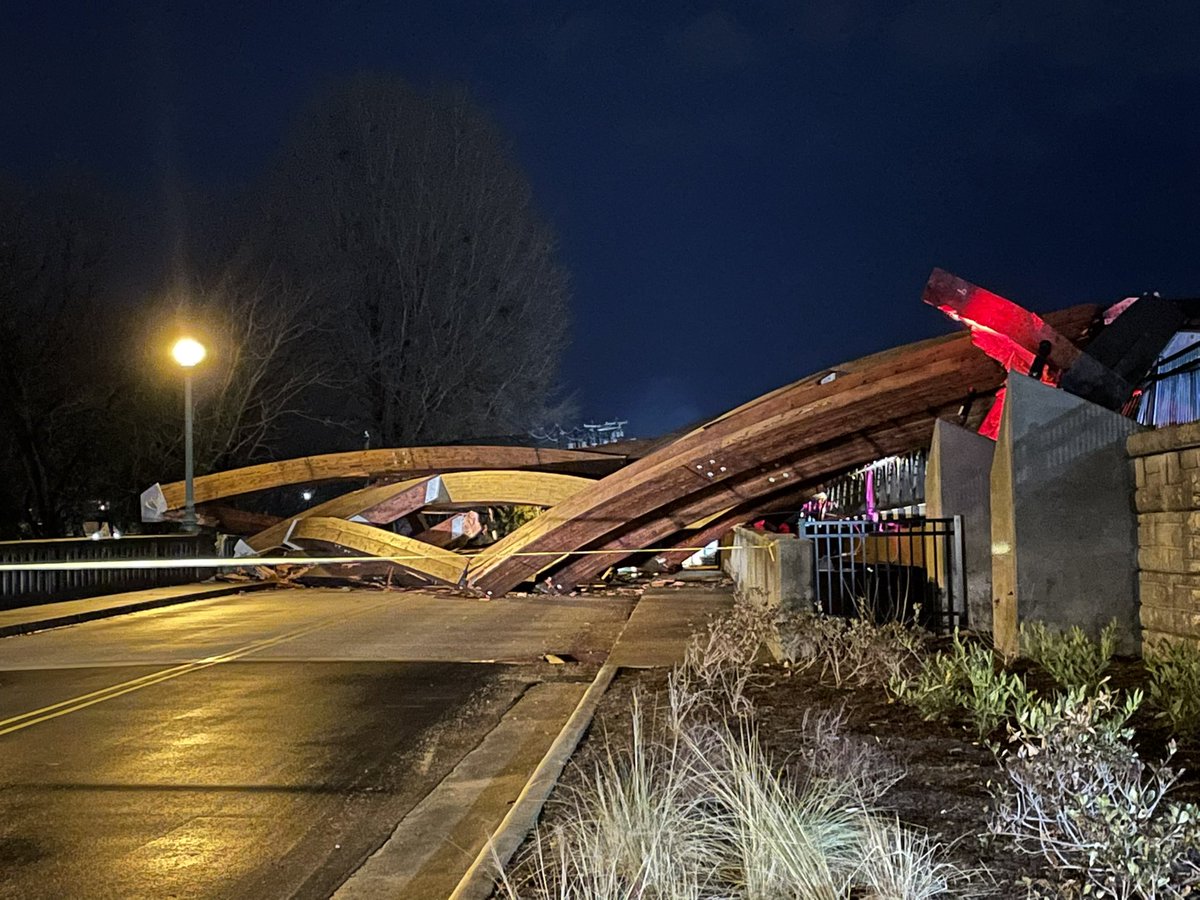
(1167, 477)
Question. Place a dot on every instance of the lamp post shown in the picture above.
(189, 353)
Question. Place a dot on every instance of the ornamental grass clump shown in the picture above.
(1076, 793)
(1174, 669)
(813, 837)
(1070, 657)
(901, 862)
(692, 807)
(634, 828)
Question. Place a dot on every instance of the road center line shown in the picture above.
(63, 707)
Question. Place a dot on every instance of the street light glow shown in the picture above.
(188, 352)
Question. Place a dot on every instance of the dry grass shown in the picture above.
(690, 806)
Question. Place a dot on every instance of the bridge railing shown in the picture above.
(32, 587)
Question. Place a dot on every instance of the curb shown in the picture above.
(137, 606)
(479, 881)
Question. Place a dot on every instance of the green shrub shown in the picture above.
(507, 519)
(992, 695)
(1070, 657)
(1076, 793)
(1174, 669)
(965, 678)
(937, 687)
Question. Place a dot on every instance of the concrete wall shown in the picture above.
(1167, 475)
(958, 483)
(1064, 531)
(771, 569)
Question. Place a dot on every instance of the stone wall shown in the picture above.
(1167, 478)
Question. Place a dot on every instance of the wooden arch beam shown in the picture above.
(424, 560)
(383, 504)
(818, 416)
(161, 502)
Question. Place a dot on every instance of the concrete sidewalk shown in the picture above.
(663, 622)
(27, 619)
(439, 839)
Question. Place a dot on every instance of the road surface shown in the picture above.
(255, 746)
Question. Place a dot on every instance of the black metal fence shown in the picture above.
(907, 569)
(30, 587)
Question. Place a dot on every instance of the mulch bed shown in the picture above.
(945, 788)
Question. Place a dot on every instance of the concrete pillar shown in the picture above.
(773, 570)
(958, 483)
(1064, 531)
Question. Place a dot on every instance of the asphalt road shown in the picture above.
(256, 746)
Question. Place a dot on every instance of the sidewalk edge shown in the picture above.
(137, 606)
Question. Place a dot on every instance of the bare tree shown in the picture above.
(54, 389)
(407, 214)
(254, 388)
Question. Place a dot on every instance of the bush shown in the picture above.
(1071, 658)
(1076, 793)
(848, 651)
(824, 750)
(966, 678)
(937, 687)
(992, 695)
(718, 665)
(1174, 669)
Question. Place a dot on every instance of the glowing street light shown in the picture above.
(189, 353)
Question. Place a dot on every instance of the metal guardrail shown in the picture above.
(30, 588)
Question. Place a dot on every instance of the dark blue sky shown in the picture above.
(745, 193)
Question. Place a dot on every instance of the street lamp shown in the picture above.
(189, 353)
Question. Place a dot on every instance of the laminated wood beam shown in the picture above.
(669, 560)
(161, 502)
(380, 504)
(507, 488)
(425, 560)
(1004, 330)
(383, 504)
(854, 405)
(451, 532)
(755, 496)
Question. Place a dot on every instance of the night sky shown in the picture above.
(745, 193)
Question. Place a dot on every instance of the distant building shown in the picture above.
(582, 436)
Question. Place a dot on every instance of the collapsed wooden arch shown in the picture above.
(161, 502)
(383, 504)
(433, 563)
(685, 491)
